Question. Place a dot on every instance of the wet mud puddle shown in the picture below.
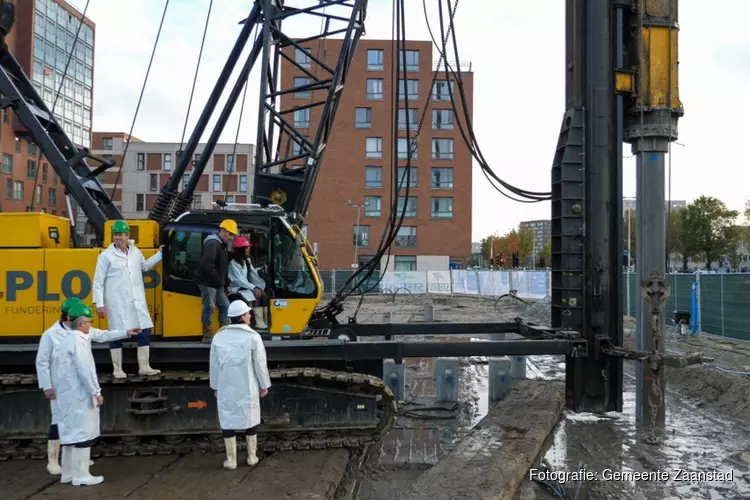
(699, 455)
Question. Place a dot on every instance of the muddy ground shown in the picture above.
(706, 407)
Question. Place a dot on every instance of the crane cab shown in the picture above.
(279, 251)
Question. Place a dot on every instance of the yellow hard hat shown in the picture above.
(230, 226)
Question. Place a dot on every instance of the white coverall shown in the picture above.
(76, 385)
(237, 372)
(118, 286)
(51, 339)
(238, 278)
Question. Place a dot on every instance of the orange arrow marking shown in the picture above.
(198, 405)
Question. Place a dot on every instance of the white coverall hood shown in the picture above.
(118, 286)
(238, 371)
(76, 384)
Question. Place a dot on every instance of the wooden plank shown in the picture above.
(493, 460)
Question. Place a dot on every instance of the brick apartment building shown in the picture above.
(41, 39)
(149, 165)
(356, 170)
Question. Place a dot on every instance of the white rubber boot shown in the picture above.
(81, 475)
(67, 465)
(143, 367)
(53, 452)
(117, 363)
(260, 320)
(231, 445)
(252, 448)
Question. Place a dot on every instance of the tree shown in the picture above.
(675, 243)
(545, 258)
(525, 243)
(708, 228)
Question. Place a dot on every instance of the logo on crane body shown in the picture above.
(278, 196)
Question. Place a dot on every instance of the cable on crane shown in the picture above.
(532, 196)
(30, 208)
(140, 98)
(195, 75)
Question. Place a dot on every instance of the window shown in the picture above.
(141, 161)
(405, 263)
(442, 149)
(153, 184)
(296, 148)
(299, 81)
(44, 172)
(411, 92)
(373, 206)
(374, 147)
(33, 149)
(442, 119)
(196, 158)
(217, 182)
(442, 177)
(413, 115)
(302, 118)
(375, 59)
(442, 208)
(412, 60)
(197, 202)
(140, 204)
(107, 143)
(7, 166)
(361, 239)
(38, 192)
(167, 157)
(402, 180)
(230, 163)
(52, 197)
(230, 198)
(363, 117)
(404, 149)
(374, 88)
(243, 183)
(373, 177)
(406, 237)
(411, 206)
(302, 58)
(18, 190)
(440, 91)
(18, 145)
(9, 189)
(31, 169)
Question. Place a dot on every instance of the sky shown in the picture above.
(516, 50)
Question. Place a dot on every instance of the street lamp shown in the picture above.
(356, 238)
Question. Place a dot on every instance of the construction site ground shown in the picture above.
(708, 411)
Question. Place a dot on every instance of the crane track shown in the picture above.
(269, 440)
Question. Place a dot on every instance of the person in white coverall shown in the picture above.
(78, 398)
(51, 338)
(119, 295)
(239, 377)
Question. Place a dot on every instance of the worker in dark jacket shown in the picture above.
(212, 276)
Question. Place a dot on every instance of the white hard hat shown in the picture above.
(237, 309)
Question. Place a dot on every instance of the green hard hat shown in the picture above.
(69, 303)
(120, 227)
(80, 309)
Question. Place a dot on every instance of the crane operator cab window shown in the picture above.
(275, 254)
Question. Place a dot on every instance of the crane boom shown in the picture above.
(275, 182)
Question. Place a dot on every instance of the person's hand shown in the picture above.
(227, 291)
(99, 400)
(101, 312)
(258, 293)
(50, 394)
(161, 248)
(263, 393)
(133, 332)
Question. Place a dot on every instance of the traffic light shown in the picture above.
(515, 260)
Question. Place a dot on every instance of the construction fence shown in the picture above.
(719, 303)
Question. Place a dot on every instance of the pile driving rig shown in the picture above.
(327, 388)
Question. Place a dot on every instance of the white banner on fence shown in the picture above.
(528, 284)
